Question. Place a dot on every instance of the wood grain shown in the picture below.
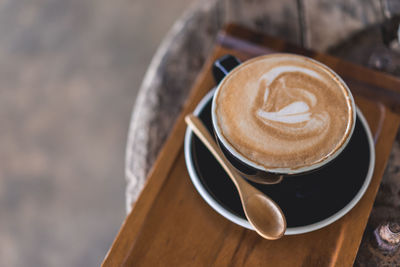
(171, 225)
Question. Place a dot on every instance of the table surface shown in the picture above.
(153, 234)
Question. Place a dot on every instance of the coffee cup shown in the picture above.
(280, 115)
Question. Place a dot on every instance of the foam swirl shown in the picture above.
(296, 116)
(283, 111)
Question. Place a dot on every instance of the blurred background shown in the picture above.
(69, 74)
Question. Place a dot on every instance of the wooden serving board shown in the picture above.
(171, 225)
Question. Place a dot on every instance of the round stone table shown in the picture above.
(362, 31)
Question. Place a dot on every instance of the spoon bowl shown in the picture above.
(267, 219)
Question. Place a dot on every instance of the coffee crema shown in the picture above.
(284, 111)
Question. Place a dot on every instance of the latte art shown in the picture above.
(297, 116)
(283, 111)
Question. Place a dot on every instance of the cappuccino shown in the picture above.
(283, 111)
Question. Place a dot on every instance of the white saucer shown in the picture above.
(220, 194)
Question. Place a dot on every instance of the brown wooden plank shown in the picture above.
(171, 225)
(182, 238)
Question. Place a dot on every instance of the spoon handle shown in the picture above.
(204, 135)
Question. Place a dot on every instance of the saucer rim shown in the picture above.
(290, 230)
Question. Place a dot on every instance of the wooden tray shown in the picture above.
(171, 225)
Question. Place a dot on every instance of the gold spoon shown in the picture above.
(262, 212)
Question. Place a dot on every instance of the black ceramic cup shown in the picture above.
(252, 171)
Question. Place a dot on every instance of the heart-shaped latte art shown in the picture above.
(283, 111)
(291, 108)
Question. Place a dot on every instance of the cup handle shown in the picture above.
(223, 66)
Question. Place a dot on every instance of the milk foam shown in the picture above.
(283, 111)
(292, 113)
